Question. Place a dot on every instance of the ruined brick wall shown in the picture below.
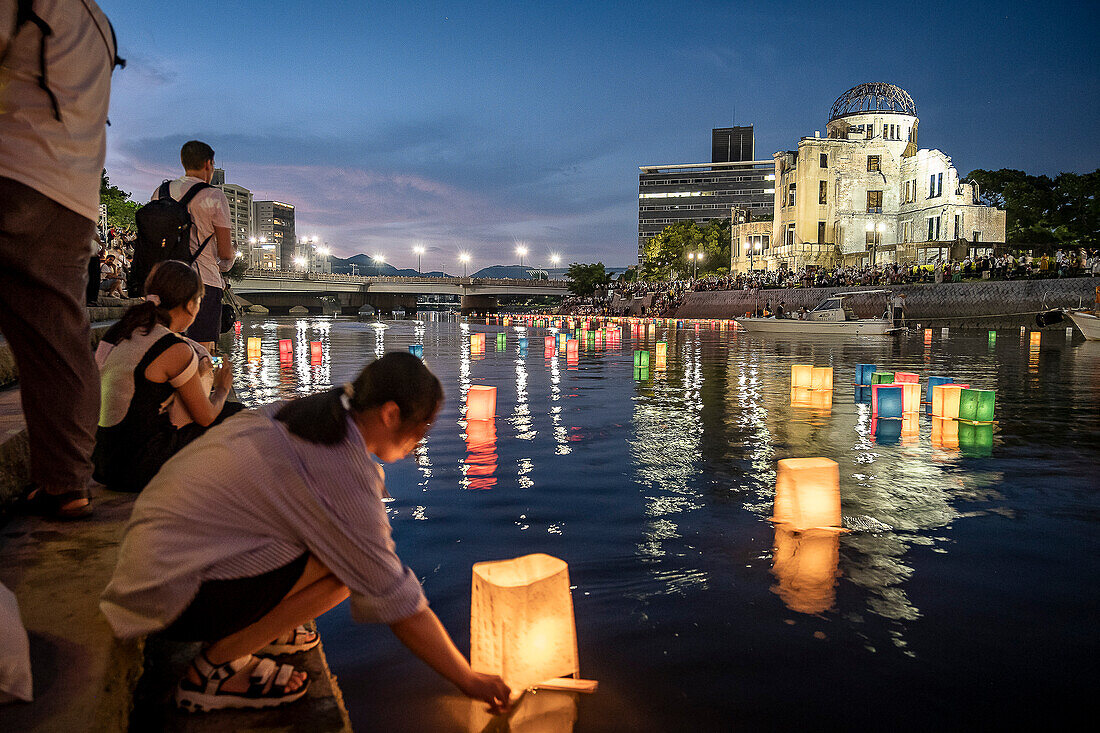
(981, 305)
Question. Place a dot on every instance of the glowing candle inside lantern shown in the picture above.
(821, 378)
(571, 350)
(933, 382)
(928, 335)
(548, 345)
(801, 375)
(945, 400)
(1036, 338)
(521, 620)
(316, 351)
(976, 405)
(481, 402)
(662, 350)
(807, 494)
(905, 377)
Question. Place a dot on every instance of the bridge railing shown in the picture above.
(336, 277)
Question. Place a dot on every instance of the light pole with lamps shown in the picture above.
(464, 257)
(521, 251)
(875, 232)
(379, 259)
(419, 251)
(756, 247)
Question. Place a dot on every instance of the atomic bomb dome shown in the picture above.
(873, 97)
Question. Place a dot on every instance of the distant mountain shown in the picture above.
(367, 266)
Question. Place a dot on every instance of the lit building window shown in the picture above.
(873, 163)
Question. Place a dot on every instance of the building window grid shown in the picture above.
(874, 202)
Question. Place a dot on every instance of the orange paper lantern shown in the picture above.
(481, 402)
(821, 378)
(945, 400)
(910, 396)
(801, 375)
(805, 567)
(253, 347)
(807, 493)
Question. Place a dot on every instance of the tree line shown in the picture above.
(1063, 211)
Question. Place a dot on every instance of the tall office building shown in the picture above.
(699, 192)
(273, 221)
(732, 144)
(240, 210)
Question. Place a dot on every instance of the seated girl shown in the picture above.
(155, 383)
(273, 519)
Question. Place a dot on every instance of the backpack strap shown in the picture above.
(24, 14)
(186, 201)
(163, 192)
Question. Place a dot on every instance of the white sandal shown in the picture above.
(265, 680)
(299, 639)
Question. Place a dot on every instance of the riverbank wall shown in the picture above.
(977, 305)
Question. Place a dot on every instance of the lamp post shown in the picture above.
(521, 251)
(464, 257)
(756, 247)
(875, 231)
(419, 251)
(378, 260)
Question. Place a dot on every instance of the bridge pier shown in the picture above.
(480, 303)
(389, 302)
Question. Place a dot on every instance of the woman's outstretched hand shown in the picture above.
(490, 689)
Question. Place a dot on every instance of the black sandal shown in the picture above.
(265, 681)
(44, 504)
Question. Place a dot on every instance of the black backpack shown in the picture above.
(163, 233)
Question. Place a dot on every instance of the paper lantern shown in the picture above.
(864, 372)
(933, 382)
(562, 338)
(944, 331)
(928, 335)
(976, 405)
(548, 345)
(821, 378)
(502, 340)
(477, 343)
(805, 565)
(882, 378)
(286, 348)
(975, 439)
(807, 494)
(945, 400)
(571, 350)
(523, 343)
(521, 620)
(237, 327)
(253, 347)
(662, 349)
(821, 399)
(800, 397)
(416, 350)
(481, 402)
(801, 375)
(1036, 338)
(945, 432)
(641, 359)
(906, 377)
(887, 400)
(910, 397)
(992, 338)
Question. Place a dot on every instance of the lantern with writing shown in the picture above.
(562, 338)
(906, 377)
(821, 378)
(286, 349)
(976, 405)
(548, 345)
(864, 372)
(416, 350)
(253, 347)
(928, 335)
(910, 396)
(521, 621)
(481, 402)
(945, 400)
(887, 400)
(801, 375)
(237, 327)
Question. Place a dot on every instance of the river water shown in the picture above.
(963, 595)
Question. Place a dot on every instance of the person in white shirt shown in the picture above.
(210, 220)
(55, 87)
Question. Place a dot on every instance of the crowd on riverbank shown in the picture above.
(667, 295)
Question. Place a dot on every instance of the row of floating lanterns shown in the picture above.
(894, 394)
(286, 350)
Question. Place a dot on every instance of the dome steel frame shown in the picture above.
(875, 96)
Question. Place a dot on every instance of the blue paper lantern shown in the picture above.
(890, 401)
(934, 381)
(864, 372)
(416, 350)
(862, 395)
(523, 342)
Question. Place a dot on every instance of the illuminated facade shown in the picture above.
(866, 194)
(274, 228)
(240, 210)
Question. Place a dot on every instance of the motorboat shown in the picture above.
(830, 317)
(1088, 321)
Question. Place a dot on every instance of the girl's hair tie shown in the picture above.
(153, 298)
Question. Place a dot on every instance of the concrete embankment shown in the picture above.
(979, 305)
(85, 679)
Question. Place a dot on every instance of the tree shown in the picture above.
(584, 279)
(120, 209)
(236, 272)
(1039, 210)
(665, 255)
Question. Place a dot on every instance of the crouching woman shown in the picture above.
(272, 519)
(158, 388)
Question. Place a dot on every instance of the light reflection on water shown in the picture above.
(950, 592)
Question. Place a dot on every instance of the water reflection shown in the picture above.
(480, 464)
(540, 711)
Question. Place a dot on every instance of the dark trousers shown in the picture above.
(44, 251)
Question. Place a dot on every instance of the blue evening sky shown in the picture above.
(476, 126)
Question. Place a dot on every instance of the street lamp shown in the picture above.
(555, 259)
(419, 251)
(465, 257)
(378, 260)
(521, 251)
(300, 261)
(756, 247)
(876, 231)
(695, 258)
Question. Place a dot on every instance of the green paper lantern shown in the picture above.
(641, 360)
(976, 405)
(882, 378)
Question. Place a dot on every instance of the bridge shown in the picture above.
(280, 290)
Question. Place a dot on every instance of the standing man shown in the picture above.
(209, 216)
(56, 59)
